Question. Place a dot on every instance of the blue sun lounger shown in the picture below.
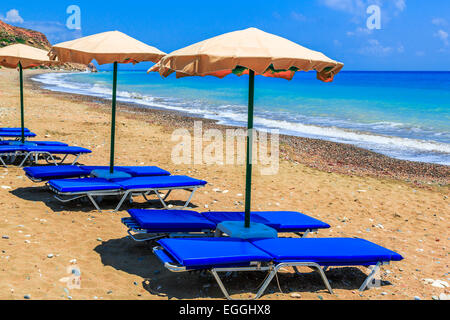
(146, 225)
(32, 153)
(38, 143)
(228, 254)
(14, 130)
(40, 174)
(71, 189)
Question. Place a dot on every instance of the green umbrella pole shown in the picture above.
(248, 180)
(22, 116)
(113, 121)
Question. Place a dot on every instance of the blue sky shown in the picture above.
(414, 34)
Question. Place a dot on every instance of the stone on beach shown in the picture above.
(444, 296)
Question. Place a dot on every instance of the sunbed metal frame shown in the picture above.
(128, 194)
(272, 270)
(34, 157)
(134, 229)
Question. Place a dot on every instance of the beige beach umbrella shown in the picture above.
(23, 57)
(252, 52)
(107, 47)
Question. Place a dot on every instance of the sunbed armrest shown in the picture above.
(168, 262)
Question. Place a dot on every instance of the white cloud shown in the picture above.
(400, 4)
(375, 48)
(54, 30)
(440, 22)
(441, 34)
(298, 16)
(349, 6)
(358, 8)
(13, 16)
(359, 31)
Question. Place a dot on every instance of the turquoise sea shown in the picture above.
(405, 115)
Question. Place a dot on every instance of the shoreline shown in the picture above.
(315, 153)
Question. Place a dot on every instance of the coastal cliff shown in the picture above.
(11, 35)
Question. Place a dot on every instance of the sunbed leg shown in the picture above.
(167, 195)
(53, 159)
(311, 265)
(220, 283)
(24, 160)
(161, 199)
(190, 198)
(260, 292)
(76, 159)
(324, 279)
(3, 162)
(64, 159)
(125, 196)
(93, 202)
(370, 277)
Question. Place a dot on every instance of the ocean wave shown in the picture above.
(391, 138)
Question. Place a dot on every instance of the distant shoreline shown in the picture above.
(321, 154)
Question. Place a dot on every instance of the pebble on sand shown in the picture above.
(444, 296)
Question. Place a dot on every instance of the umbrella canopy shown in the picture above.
(29, 57)
(264, 53)
(252, 52)
(107, 47)
(23, 57)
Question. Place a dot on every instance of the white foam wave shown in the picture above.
(400, 147)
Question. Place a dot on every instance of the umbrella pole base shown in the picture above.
(237, 229)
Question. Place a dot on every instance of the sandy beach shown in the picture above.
(400, 205)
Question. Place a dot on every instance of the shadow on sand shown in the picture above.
(43, 194)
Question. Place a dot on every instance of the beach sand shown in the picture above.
(401, 205)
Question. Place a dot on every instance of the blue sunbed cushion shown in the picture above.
(288, 221)
(282, 221)
(14, 129)
(326, 251)
(33, 143)
(159, 182)
(49, 143)
(144, 171)
(82, 185)
(171, 220)
(16, 134)
(55, 172)
(58, 149)
(11, 149)
(213, 252)
(22, 144)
